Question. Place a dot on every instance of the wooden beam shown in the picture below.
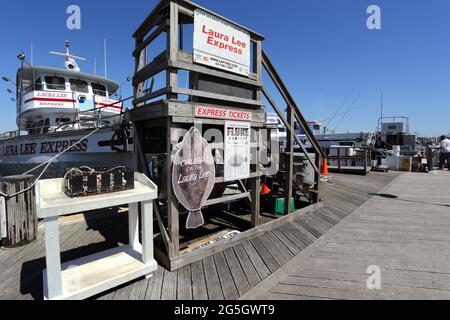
(225, 199)
(150, 96)
(162, 28)
(151, 19)
(162, 228)
(210, 95)
(146, 71)
(173, 46)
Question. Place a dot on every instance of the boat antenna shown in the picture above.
(106, 69)
(71, 63)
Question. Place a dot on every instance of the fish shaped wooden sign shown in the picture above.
(193, 175)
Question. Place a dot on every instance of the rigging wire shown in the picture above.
(339, 109)
(46, 165)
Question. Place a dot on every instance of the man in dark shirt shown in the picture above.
(380, 144)
(380, 147)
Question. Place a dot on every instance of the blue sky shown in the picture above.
(322, 49)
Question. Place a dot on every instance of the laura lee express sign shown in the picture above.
(219, 44)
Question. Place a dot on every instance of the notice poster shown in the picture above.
(237, 150)
(220, 44)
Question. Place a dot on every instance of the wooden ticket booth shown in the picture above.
(199, 122)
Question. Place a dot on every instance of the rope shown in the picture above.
(47, 165)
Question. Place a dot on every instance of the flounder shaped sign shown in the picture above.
(193, 175)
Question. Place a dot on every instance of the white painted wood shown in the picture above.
(3, 229)
(53, 283)
(133, 224)
(94, 274)
(97, 273)
(51, 200)
(147, 232)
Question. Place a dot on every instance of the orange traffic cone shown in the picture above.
(324, 168)
(265, 189)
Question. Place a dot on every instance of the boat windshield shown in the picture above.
(79, 85)
(55, 83)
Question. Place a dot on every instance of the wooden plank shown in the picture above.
(250, 272)
(169, 286)
(240, 280)
(278, 247)
(184, 284)
(138, 290)
(226, 280)
(268, 259)
(191, 257)
(287, 242)
(199, 291)
(295, 240)
(154, 288)
(317, 232)
(258, 263)
(301, 233)
(212, 279)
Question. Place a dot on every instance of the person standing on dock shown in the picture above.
(445, 153)
(380, 150)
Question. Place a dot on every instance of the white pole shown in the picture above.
(32, 53)
(106, 72)
(95, 66)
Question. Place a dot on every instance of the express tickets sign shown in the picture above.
(219, 44)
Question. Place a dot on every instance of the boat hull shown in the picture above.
(21, 154)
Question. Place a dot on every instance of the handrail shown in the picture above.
(290, 102)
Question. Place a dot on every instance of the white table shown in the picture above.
(100, 272)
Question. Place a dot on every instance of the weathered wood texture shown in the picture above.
(227, 275)
(403, 231)
(20, 215)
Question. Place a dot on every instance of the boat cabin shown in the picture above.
(52, 99)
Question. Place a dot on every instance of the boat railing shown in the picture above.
(9, 134)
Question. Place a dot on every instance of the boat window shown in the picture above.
(38, 85)
(61, 121)
(46, 125)
(26, 85)
(79, 85)
(99, 89)
(55, 83)
(40, 124)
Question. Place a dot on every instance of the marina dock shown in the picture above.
(403, 231)
(230, 274)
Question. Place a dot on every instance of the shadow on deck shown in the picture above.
(226, 275)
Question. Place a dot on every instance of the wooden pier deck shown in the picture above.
(226, 275)
(403, 231)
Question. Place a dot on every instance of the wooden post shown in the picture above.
(289, 162)
(256, 186)
(20, 213)
(365, 161)
(173, 45)
(173, 214)
(339, 159)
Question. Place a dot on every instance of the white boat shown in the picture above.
(326, 140)
(65, 110)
